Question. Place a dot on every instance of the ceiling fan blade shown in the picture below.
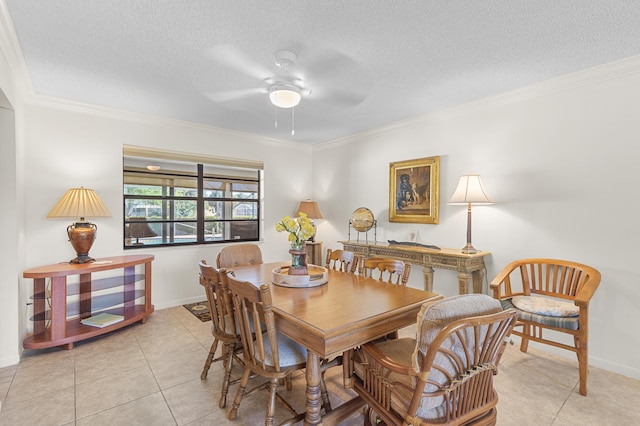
(230, 95)
(234, 59)
(333, 63)
(340, 97)
(334, 77)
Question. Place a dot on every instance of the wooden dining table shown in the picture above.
(329, 319)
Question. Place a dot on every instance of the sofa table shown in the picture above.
(314, 253)
(470, 267)
(90, 290)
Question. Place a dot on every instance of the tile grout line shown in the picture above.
(164, 398)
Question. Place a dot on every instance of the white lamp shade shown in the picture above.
(80, 202)
(470, 191)
(284, 96)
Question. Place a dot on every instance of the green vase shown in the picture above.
(298, 259)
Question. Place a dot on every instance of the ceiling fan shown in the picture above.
(289, 81)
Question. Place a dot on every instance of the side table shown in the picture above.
(470, 267)
(127, 294)
(314, 253)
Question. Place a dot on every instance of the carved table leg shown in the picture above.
(428, 278)
(314, 402)
(463, 282)
(347, 369)
(478, 279)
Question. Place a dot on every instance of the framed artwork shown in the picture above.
(414, 190)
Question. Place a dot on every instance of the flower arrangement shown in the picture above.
(300, 229)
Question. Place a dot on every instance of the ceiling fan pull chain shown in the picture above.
(275, 110)
(293, 116)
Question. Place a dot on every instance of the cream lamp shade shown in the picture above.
(470, 190)
(80, 203)
(311, 209)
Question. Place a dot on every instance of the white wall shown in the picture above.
(11, 214)
(9, 230)
(560, 161)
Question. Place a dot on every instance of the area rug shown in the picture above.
(200, 310)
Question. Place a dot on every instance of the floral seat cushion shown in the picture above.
(545, 306)
(569, 323)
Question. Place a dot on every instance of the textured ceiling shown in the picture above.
(367, 63)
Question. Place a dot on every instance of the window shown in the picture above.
(178, 199)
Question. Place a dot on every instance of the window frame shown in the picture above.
(169, 198)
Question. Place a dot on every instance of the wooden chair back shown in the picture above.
(223, 327)
(547, 277)
(467, 388)
(239, 255)
(219, 302)
(266, 352)
(341, 260)
(385, 269)
(253, 308)
(558, 279)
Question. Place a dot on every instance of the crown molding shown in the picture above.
(100, 111)
(564, 83)
(10, 48)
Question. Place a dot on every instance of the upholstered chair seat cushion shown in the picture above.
(567, 323)
(545, 306)
(291, 354)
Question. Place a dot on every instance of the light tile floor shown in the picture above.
(149, 374)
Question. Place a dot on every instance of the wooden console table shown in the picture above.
(470, 267)
(59, 324)
(314, 253)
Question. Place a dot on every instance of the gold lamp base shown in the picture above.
(82, 235)
(469, 249)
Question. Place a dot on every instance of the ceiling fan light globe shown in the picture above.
(284, 97)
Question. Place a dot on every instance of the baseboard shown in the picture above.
(612, 367)
(180, 302)
(9, 360)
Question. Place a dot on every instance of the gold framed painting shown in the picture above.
(414, 190)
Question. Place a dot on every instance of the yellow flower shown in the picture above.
(300, 229)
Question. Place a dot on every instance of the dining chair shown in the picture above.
(444, 375)
(239, 255)
(554, 295)
(267, 353)
(385, 269)
(341, 260)
(223, 326)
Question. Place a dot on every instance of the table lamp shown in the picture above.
(310, 208)
(80, 202)
(469, 191)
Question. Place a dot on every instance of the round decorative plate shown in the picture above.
(362, 219)
(317, 276)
